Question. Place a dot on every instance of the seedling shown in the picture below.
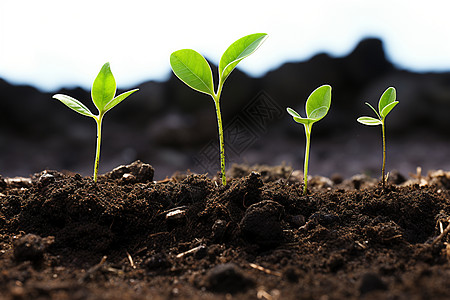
(385, 105)
(102, 93)
(193, 69)
(317, 107)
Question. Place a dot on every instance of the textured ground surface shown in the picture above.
(128, 237)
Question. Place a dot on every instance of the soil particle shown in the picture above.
(227, 278)
(395, 177)
(337, 178)
(18, 182)
(266, 173)
(47, 177)
(324, 219)
(31, 247)
(2, 184)
(291, 275)
(245, 192)
(157, 261)
(360, 181)
(261, 223)
(384, 233)
(133, 173)
(176, 217)
(297, 220)
(335, 262)
(371, 282)
(440, 178)
(218, 230)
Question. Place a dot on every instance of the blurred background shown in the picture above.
(358, 47)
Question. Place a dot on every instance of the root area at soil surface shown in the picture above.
(63, 236)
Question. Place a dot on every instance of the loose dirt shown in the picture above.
(187, 237)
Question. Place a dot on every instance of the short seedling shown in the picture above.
(193, 69)
(317, 107)
(385, 105)
(102, 93)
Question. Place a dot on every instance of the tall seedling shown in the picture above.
(193, 69)
(103, 95)
(317, 107)
(385, 105)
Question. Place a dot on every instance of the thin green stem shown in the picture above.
(216, 98)
(383, 168)
(98, 120)
(221, 142)
(305, 167)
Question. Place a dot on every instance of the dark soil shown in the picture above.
(187, 237)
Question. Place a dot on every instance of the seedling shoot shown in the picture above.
(193, 69)
(317, 107)
(385, 105)
(103, 95)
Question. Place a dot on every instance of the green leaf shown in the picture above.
(369, 121)
(387, 109)
(293, 113)
(103, 88)
(193, 69)
(378, 115)
(318, 113)
(74, 104)
(319, 102)
(237, 51)
(297, 118)
(118, 99)
(304, 121)
(387, 98)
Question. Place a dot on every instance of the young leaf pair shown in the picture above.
(385, 105)
(193, 69)
(103, 95)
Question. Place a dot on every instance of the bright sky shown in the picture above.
(55, 43)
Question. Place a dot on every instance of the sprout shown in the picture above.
(317, 107)
(102, 93)
(193, 69)
(385, 105)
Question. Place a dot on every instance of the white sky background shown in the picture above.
(56, 43)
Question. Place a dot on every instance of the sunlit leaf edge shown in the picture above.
(73, 104)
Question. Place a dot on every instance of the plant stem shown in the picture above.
(383, 168)
(98, 120)
(305, 167)
(221, 142)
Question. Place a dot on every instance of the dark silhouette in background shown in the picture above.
(172, 127)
